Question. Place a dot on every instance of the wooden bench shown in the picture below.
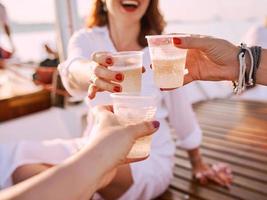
(234, 132)
(23, 105)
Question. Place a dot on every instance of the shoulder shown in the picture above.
(89, 33)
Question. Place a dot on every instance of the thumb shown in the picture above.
(143, 129)
(193, 42)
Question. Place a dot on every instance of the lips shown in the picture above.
(130, 5)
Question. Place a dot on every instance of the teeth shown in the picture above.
(130, 3)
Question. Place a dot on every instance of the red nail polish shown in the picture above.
(117, 89)
(177, 41)
(109, 61)
(156, 124)
(119, 77)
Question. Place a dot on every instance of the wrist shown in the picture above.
(235, 65)
(262, 70)
(195, 157)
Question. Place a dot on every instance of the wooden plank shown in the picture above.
(207, 144)
(239, 110)
(235, 145)
(235, 160)
(222, 130)
(237, 169)
(195, 190)
(231, 124)
(235, 191)
(255, 144)
(243, 183)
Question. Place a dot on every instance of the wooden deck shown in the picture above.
(235, 132)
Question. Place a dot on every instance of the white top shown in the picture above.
(173, 105)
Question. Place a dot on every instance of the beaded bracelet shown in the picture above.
(245, 79)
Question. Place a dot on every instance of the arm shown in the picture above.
(86, 70)
(79, 177)
(54, 183)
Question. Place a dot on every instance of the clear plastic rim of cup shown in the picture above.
(127, 53)
(168, 36)
(125, 95)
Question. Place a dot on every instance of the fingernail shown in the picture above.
(156, 124)
(177, 41)
(117, 89)
(109, 61)
(119, 77)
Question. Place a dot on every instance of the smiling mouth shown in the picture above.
(130, 5)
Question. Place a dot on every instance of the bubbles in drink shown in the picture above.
(132, 78)
(168, 72)
(134, 115)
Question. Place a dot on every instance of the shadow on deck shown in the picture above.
(235, 132)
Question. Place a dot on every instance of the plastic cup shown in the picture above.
(168, 61)
(130, 64)
(131, 109)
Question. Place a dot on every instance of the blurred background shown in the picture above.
(33, 22)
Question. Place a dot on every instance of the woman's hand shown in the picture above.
(115, 140)
(101, 78)
(218, 173)
(209, 59)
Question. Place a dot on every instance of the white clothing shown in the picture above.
(13, 155)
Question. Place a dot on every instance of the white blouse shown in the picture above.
(174, 105)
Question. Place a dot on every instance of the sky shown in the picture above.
(36, 11)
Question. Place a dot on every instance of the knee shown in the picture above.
(27, 171)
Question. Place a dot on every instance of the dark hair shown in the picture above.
(152, 23)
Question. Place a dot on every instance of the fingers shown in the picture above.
(104, 85)
(92, 90)
(103, 58)
(194, 42)
(103, 108)
(106, 74)
(143, 129)
(167, 89)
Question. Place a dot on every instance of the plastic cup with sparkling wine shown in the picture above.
(130, 64)
(168, 61)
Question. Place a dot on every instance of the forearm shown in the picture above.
(195, 157)
(262, 71)
(79, 75)
(71, 180)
